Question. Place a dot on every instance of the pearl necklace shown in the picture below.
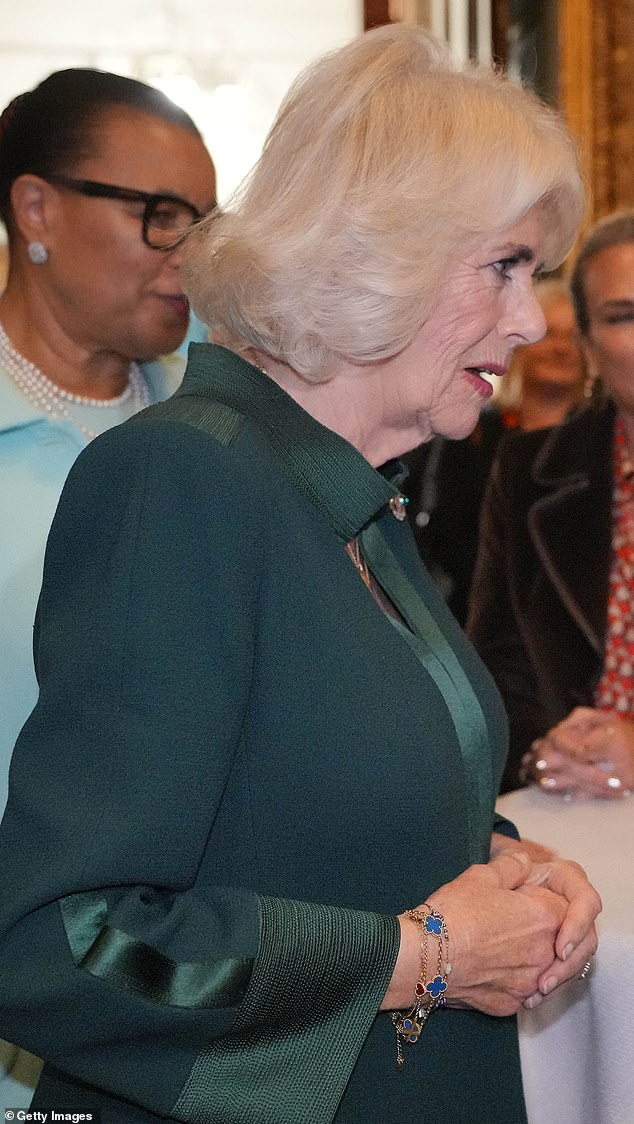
(45, 395)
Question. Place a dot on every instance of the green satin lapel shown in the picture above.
(439, 659)
(131, 965)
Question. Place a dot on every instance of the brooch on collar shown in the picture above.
(398, 506)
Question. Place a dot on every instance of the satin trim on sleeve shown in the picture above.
(131, 965)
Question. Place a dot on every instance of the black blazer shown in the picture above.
(538, 613)
(445, 486)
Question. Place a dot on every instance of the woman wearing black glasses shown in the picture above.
(99, 176)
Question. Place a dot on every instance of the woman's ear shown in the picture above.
(31, 202)
(591, 383)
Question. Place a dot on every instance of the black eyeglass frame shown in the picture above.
(97, 190)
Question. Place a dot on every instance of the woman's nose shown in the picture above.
(525, 319)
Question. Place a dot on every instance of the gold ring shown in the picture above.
(547, 782)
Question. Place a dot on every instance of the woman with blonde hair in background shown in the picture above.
(275, 888)
(546, 379)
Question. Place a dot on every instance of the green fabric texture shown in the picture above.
(115, 956)
(214, 418)
(237, 759)
(317, 460)
(323, 1018)
(439, 659)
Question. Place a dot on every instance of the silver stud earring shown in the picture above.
(37, 252)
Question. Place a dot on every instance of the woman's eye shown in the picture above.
(169, 216)
(620, 317)
(504, 266)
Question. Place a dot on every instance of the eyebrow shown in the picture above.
(617, 302)
(168, 194)
(519, 252)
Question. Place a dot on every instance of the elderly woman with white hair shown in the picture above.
(260, 872)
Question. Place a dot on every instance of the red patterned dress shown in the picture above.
(615, 690)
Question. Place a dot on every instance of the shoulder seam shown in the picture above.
(207, 415)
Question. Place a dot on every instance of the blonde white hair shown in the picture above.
(386, 159)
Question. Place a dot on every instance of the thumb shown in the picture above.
(511, 868)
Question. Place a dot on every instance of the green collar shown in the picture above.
(333, 475)
(348, 492)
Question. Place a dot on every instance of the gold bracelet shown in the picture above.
(428, 994)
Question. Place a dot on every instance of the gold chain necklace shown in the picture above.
(354, 551)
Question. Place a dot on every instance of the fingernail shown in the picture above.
(568, 949)
(534, 1001)
(521, 856)
(549, 985)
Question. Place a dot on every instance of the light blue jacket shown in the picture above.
(36, 455)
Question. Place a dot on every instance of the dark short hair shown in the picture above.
(52, 127)
(614, 230)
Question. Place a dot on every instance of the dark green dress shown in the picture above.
(238, 772)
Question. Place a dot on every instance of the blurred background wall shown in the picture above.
(227, 63)
(577, 54)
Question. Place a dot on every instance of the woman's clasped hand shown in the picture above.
(519, 930)
(589, 754)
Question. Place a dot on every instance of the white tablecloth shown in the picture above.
(578, 1047)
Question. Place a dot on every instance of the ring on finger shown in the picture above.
(585, 971)
(547, 782)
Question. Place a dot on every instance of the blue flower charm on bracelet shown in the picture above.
(428, 994)
(436, 987)
(410, 1029)
(433, 924)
